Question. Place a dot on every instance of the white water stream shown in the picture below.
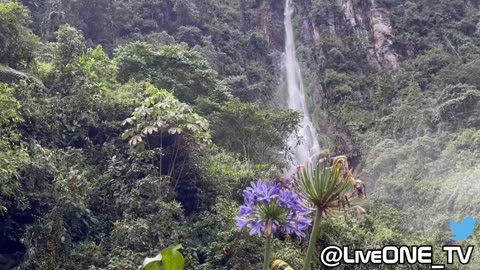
(308, 148)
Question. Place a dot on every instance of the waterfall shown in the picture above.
(308, 148)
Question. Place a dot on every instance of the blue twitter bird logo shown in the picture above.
(463, 229)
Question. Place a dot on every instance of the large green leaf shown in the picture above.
(172, 259)
(152, 263)
(169, 259)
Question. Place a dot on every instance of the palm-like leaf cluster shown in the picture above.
(329, 188)
(324, 187)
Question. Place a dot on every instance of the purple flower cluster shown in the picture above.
(269, 209)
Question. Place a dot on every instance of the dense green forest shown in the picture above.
(128, 126)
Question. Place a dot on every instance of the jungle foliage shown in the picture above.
(107, 156)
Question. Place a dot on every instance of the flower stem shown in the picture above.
(313, 239)
(266, 258)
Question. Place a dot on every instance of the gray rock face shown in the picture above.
(348, 11)
(366, 21)
(373, 29)
(381, 26)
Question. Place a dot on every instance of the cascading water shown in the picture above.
(306, 151)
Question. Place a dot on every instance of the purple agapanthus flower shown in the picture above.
(269, 209)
